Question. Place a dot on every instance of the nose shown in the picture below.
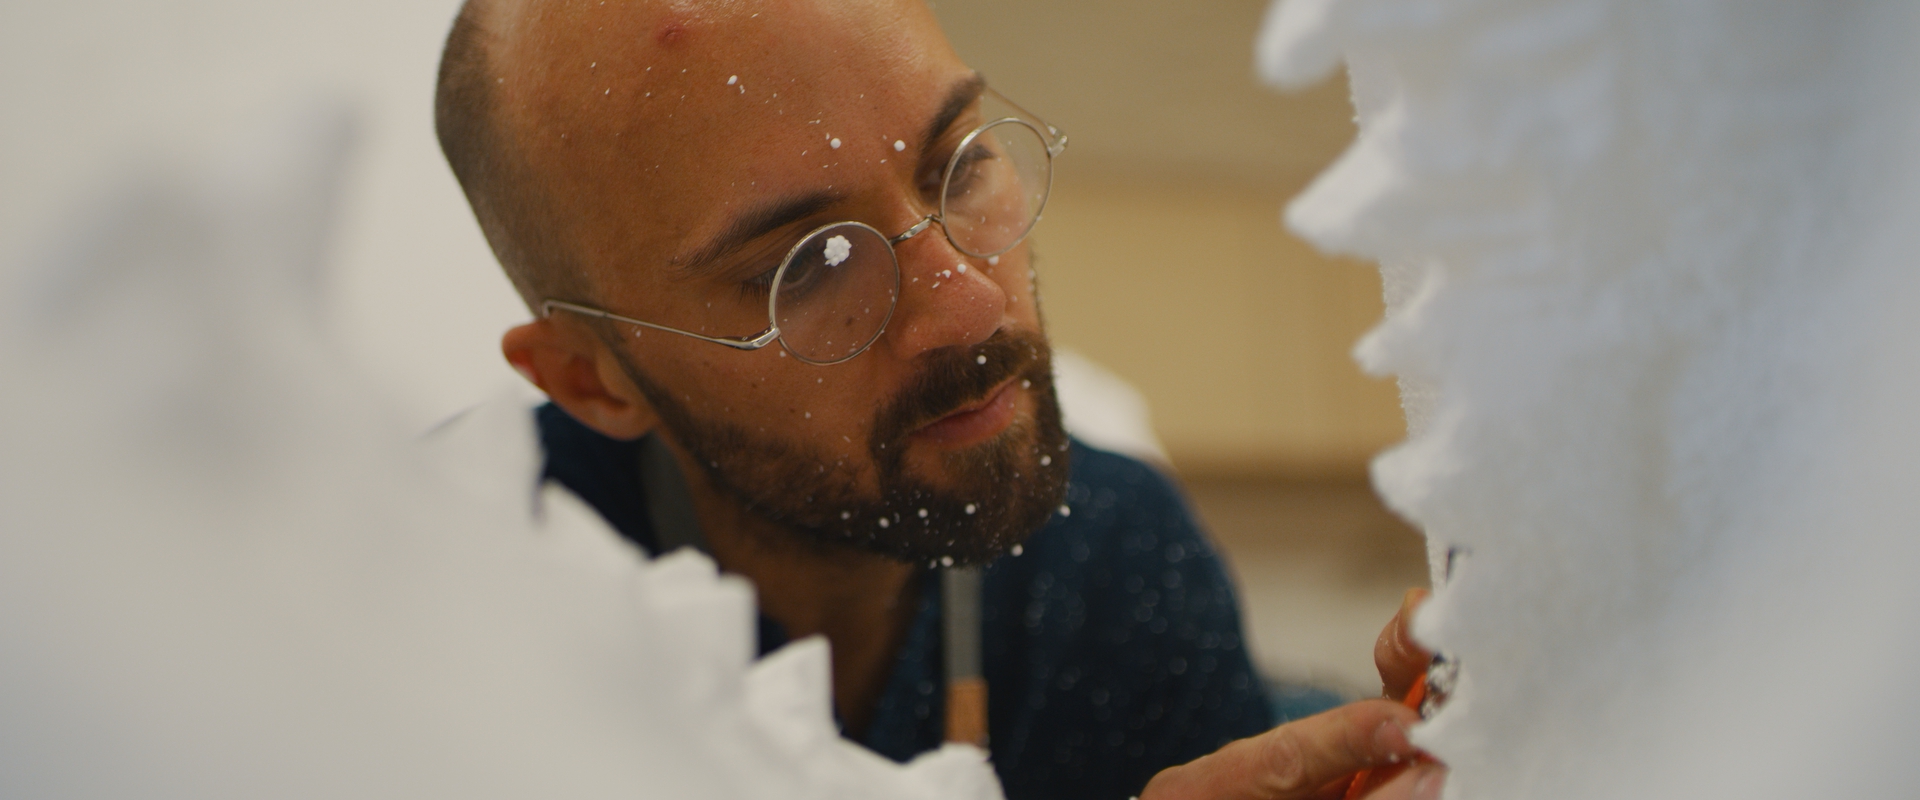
(945, 298)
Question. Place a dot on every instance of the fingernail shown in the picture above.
(1390, 741)
(1430, 783)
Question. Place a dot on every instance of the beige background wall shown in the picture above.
(1162, 253)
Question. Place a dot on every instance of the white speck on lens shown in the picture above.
(1045, 460)
(1026, 384)
(923, 513)
(1018, 551)
(972, 508)
(979, 359)
(899, 145)
(1065, 511)
(846, 515)
(946, 561)
(809, 414)
(838, 248)
(884, 523)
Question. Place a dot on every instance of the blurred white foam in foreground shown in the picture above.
(415, 300)
(227, 572)
(1651, 277)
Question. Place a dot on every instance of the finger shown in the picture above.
(1295, 760)
(1421, 782)
(1396, 655)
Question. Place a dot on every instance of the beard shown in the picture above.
(1000, 491)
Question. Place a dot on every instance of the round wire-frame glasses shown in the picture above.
(835, 291)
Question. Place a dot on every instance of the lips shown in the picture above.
(974, 423)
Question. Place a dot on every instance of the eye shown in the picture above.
(762, 273)
(970, 165)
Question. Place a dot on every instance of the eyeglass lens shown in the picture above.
(996, 187)
(838, 288)
(835, 293)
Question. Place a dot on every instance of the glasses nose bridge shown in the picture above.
(903, 261)
(918, 228)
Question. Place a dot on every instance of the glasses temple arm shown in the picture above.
(754, 342)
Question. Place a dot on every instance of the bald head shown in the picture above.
(505, 193)
(600, 143)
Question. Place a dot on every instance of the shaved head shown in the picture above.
(500, 187)
(546, 108)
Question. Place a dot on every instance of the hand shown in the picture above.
(1399, 659)
(1311, 758)
(1421, 781)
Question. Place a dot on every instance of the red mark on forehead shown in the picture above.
(675, 23)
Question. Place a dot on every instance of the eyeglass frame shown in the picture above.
(1053, 138)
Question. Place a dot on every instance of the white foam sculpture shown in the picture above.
(1652, 287)
(226, 571)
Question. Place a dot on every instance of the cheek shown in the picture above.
(1013, 271)
(769, 393)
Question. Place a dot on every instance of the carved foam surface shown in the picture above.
(227, 572)
(1651, 276)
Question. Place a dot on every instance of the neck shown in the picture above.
(861, 602)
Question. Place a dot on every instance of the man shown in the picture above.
(786, 314)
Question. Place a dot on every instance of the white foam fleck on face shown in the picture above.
(963, 267)
(923, 513)
(993, 261)
(838, 248)
(1065, 511)
(899, 145)
(979, 359)
(1046, 460)
(1017, 550)
(884, 523)
(846, 515)
(972, 508)
(1026, 384)
(809, 414)
(835, 144)
(732, 79)
(946, 561)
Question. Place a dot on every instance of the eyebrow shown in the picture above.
(959, 98)
(755, 223)
(776, 214)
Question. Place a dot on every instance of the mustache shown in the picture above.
(952, 377)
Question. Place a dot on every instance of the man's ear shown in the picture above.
(576, 371)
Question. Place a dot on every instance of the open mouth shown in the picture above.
(974, 423)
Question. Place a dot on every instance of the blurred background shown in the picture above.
(1162, 254)
(1163, 258)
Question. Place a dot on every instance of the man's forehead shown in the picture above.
(684, 106)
